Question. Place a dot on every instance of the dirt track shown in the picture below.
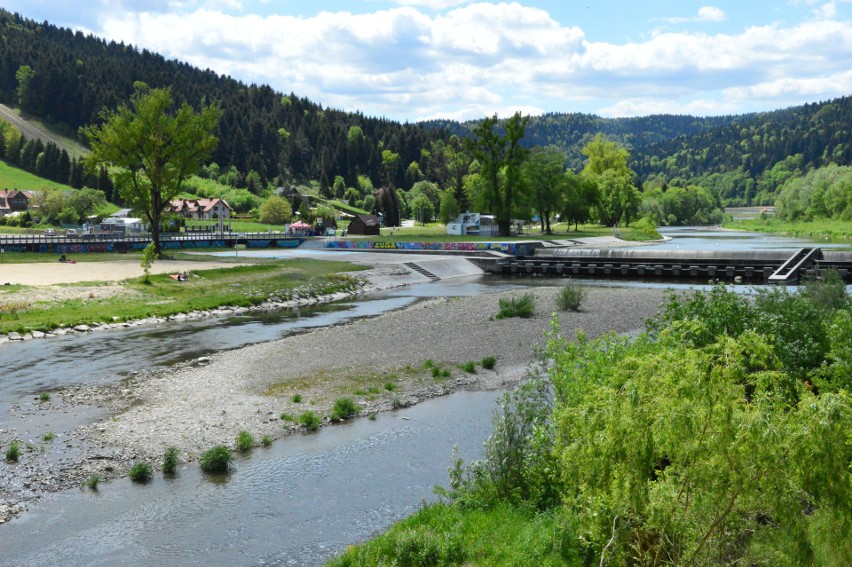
(52, 273)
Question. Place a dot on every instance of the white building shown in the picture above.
(473, 224)
(126, 226)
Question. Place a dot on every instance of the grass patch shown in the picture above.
(141, 472)
(245, 441)
(44, 397)
(297, 398)
(266, 440)
(344, 408)
(441, 534)
(390, 386)
(821, 229)
(239, 286)
(570, 297)
(523, 306)
(287, 417)
(489, 362)
(469, 367)
(49, 436)
(93, 482)
(216, 459)
(170, 460)
(13, 452)
(310, 420)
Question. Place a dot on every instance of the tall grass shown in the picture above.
(523, 306)
(570, 297)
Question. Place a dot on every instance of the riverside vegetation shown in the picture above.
(238, 286)
(719, 436)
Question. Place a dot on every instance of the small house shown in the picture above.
(366, 225)
(13, 201)
(202, 209)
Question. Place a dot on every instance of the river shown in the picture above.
(295, 503)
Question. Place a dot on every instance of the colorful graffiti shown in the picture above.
(521, 248)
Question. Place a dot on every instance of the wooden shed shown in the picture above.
(367, 225)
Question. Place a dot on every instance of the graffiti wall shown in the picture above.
(516, 249)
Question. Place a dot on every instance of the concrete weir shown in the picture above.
(667, 265)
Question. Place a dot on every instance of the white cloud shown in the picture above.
(700, 107)
(482, 58)
(436, 5)
(705, 14)
(711, 14)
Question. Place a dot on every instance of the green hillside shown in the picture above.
(14, 178)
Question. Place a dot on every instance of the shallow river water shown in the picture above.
(297, 502)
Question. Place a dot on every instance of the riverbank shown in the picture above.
(380, 363)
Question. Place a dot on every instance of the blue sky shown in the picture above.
(417, 59)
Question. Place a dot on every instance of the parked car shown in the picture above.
(72, 232)
(49, 232)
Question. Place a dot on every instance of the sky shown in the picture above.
(411, 60)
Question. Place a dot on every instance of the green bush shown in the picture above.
(390, 386)
(297, 398)
(49, 436)
(570, 297)
(245, 441)
(489, 362)
(44, 396)
(310, 420)
(170, 460)
(141, 472)
(13, 452)
(216, 459)
(287, 417)
(436, 372)
(266, 440)
(469, 367)
(93, 481)
(344, 408)
(523, 306)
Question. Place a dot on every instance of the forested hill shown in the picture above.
(572, 131)
(66, 78)
(750, 157)
(745, 157)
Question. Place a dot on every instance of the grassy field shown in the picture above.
(206, 289)
(824, 229)
(14, 178)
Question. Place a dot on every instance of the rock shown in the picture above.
(13, 336)
(38, 335)
(82, 328)
(202, 360)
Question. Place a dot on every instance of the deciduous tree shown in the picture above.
(500, 158)
(152, 150)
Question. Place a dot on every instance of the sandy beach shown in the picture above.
(53, 273)
(205, 402)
